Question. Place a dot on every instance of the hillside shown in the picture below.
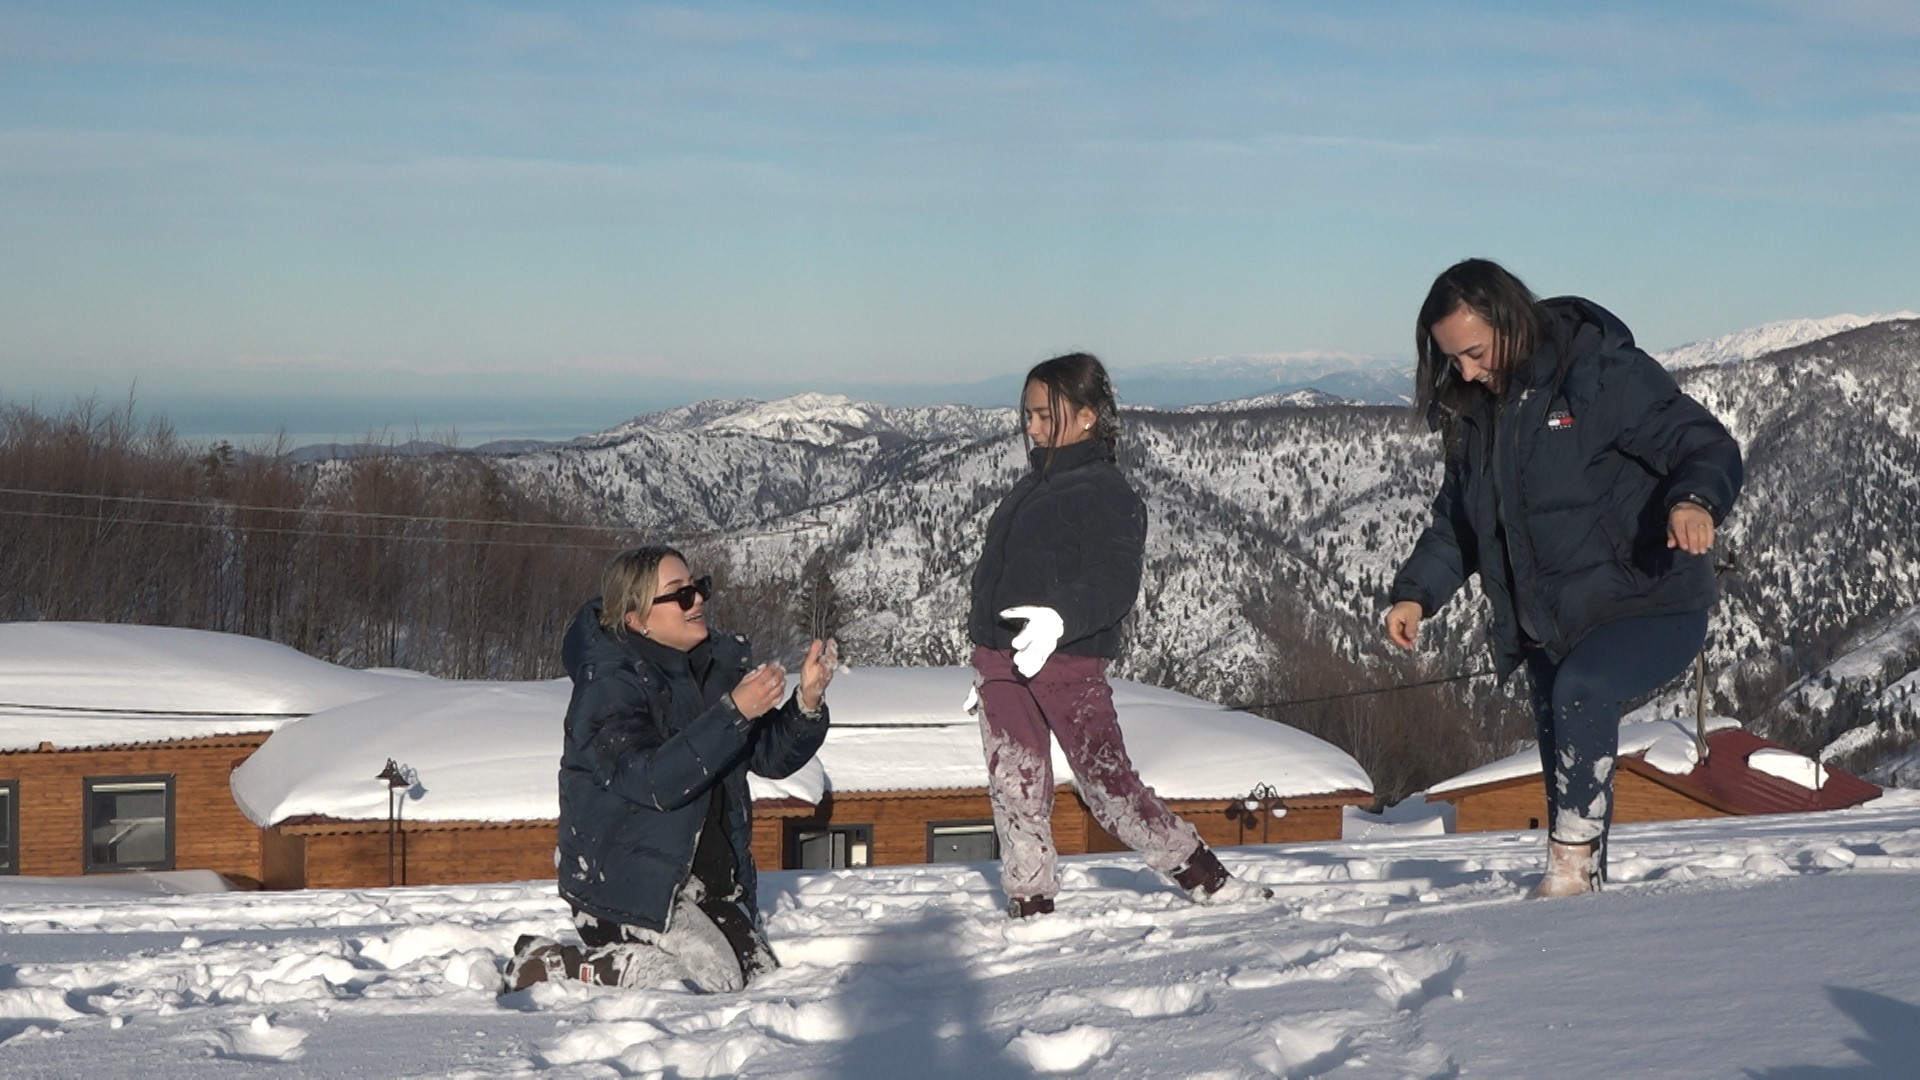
(1275, 530)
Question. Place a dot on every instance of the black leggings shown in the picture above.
(1576, 712)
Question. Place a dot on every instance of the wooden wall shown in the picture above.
(447, 853)
(900, 825)
(1522, 804)
(209, 831)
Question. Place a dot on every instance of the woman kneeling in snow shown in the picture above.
(1060, 569)
(655, 819)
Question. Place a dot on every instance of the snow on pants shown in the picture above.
(1576, 711)
(709, 943)
(1069, 698)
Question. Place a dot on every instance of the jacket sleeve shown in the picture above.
(787, 739)
(1445, 554)
(1672, 434)
(633, 757)
(1112, 557)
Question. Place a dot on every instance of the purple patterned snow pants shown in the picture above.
(1070, 698)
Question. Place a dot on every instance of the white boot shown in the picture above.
(1572, 869)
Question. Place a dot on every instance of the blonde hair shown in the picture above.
(630, 582)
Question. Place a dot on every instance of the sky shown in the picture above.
(505, 219)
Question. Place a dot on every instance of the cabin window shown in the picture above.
(836, 847)
(962, 841)
(129, 823)
(9, 826)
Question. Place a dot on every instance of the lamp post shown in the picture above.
(399, 780)
(1262, 802)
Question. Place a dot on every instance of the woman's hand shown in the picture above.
(822, 661)
(1689, 528)
(1403, 623)
(761, 690)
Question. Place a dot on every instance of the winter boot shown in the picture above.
(1572, 869)
(1207, 882)
(1024, 907)
(535, 960)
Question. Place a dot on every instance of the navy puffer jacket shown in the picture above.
(647, 745)
(1070, 536)
(1576, 468)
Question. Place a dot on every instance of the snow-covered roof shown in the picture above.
(488, 751)
(76, 685)
(903, 729)
(1666, 745)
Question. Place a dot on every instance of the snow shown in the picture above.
(1788, 766)
(489, 751)
(1410, 953)
(1776, 946)
(1666, 745)
(904, 729)
(1770, 337)
(63, 682)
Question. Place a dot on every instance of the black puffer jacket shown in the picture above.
(1576, 468)
(1070, 536)
(647, 745)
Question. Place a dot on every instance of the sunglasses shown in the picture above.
(701, 587)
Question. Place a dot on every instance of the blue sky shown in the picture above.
(344, 216)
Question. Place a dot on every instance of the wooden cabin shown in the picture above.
(150, 805)
(1657, 781)
(303, 792)
(901, 780)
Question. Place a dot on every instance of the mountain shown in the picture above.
(1275, 529)
(1355, 376)
(1760, 340)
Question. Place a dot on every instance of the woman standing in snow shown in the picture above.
(656, 827)
(1060, 569)
(1585, 490)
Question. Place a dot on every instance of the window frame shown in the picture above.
(974, 826)
(856, 834)
(10, 826)
(87, 787)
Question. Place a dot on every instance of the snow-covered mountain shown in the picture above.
(1771, 337)
(817, 419)
(1356, 376)
(1276, 528)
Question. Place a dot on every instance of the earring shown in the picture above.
(1089, 427)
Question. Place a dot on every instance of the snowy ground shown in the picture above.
(1780, 947)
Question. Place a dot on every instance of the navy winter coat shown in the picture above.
(645, 752)
(1575, 468)
(1070, 536)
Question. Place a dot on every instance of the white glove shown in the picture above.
(1035, 642)
(972, 704)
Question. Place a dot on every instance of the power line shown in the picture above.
(211, 526)
(1463, 677)
(203, 504)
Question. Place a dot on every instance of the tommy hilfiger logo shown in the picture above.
(1559, 420)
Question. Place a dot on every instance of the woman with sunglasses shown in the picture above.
(1584, 489)
(1060, 569)
(667, 718)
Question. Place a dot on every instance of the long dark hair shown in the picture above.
(1077, 380)
(1520, 326)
